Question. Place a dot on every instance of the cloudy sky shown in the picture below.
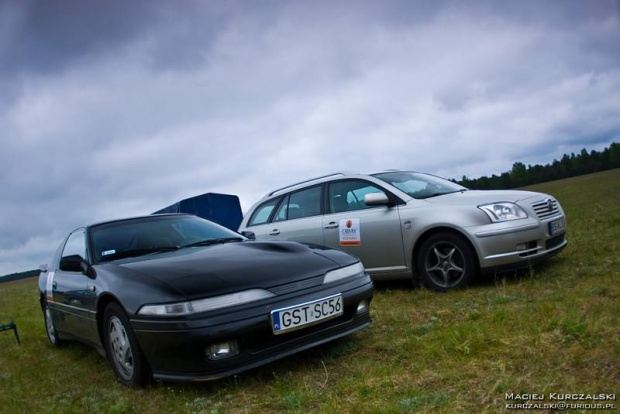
(113, 108)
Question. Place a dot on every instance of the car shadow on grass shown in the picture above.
(403, 284)
(542, 269)
(545, 269)
(314, 362)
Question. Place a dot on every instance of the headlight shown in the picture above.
(338, 274)
(498, 212)
(208, 304)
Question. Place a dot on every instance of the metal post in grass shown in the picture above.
(13, 326)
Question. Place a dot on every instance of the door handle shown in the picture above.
(54, 285)
(274, 232)
(332, 225)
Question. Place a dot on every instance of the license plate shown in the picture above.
(557, 226)
(306, 314)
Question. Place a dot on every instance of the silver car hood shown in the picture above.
(477, 197)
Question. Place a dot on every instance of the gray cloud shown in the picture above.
(112, 108)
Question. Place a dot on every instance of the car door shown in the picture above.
(372, 233)
(73, 292)
(298, 217)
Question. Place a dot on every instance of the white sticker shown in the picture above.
(107, 252)
(49, 287)
(350, 232)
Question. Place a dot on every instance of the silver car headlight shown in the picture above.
(338, 274)
(504, 211)
(203, 305)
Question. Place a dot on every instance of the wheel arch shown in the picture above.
(104, 300)
(433, 231)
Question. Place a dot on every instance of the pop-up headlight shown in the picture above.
(338, 274)
(207, 304)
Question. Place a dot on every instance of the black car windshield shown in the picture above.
(155, 234)
(419, 185)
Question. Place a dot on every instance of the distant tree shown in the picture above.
(596, 161)
(567, 165)
(584, 162)
(614, 155)
(519, 175)
(505, 180)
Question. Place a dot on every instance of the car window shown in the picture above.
(282, 213)
(349, 195)
(262, 213)
(75, 246)
(304, 203)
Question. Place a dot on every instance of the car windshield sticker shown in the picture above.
(350, 232)
(108, 252)
(49, 294)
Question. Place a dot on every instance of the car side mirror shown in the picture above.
(376, 199)
(249, 234)
(76, 263)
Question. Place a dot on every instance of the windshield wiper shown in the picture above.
(139, 252)
(209, 242)
(440, 193)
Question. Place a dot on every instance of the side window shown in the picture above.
(282, 213)
(349, 195)
(75, 245)
(305, 203)
(262, 213)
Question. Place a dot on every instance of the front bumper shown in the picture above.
(517, 244)
(177, 349)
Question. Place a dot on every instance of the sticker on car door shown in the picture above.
(350, 232)
(49, 287)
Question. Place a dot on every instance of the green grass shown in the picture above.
(552, 329)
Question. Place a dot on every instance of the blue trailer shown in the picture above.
(223, 209)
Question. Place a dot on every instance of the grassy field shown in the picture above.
(551, 329)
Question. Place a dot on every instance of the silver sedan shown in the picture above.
(405, 224)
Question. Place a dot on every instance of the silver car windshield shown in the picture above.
(419, 185)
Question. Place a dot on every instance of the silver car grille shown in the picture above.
(546, 208)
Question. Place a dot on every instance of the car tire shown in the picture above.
(50, 328)
(446, 262)
(122, 349)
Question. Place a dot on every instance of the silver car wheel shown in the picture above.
(444, 264)
(446, 261)
(120, 347)
(49, 325)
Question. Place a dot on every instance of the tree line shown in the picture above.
(568, 166)
(20, 275)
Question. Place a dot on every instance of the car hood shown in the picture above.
(199, 272)
(478, 197)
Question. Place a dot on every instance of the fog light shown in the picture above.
(362, 306)
(222, 350)
(526, 246)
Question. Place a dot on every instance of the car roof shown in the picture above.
(311, 180)
(326, 178)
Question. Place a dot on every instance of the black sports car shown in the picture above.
(177, 297)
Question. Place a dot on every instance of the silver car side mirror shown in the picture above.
(376, 199)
